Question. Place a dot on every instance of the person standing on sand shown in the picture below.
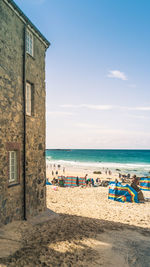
(77, 181)
(86, 177)
(86, 180)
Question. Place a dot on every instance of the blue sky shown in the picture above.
(97, 71)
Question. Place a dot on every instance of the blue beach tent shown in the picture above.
(144, 183)
(122, 193)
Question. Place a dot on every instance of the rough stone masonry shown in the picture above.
(17, 68)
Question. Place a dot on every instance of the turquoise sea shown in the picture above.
(133, 161)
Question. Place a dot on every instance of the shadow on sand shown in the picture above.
(70, 240)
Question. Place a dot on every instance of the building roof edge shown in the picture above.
(28, 21)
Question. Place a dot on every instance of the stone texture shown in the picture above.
(12, 119)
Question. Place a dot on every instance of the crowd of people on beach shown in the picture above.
(89, 182)
(59, 180)
(55, 169)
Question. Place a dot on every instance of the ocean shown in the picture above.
(127, 161)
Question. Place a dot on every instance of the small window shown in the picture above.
(29, 43)
(28, 99)
(13, 166)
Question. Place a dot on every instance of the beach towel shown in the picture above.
(122, 193)
(144, 183)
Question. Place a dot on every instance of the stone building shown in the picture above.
(22, 115)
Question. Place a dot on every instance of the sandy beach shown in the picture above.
(84, 228)
(80, 171)
(93, 202)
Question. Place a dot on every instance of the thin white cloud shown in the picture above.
(139, 108)
(89, 106)
(117, 74)
(60, 113)
(139, 117)
(98, 129)
(88, 126)
(69, 106)
(98, 107)
(105, 107)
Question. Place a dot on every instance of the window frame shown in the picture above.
(13, 166)
(29, 43)
(13, 147)
(29, 100)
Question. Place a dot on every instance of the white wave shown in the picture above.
(110, 165)
(48, 158)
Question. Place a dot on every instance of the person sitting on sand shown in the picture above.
(61, 181)
(54, 181)
(98, 181)
(92, 181)
(86, 179)
(89, 182)
(123, 180)
(134, 185)
(128, 175)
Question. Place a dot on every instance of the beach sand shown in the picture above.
(84, 229)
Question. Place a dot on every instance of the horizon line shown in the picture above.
(97, 148)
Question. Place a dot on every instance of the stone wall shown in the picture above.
(12, 119)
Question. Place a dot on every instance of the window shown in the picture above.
(29, 43)
(28, 99)
(13, 159)
(13, 166)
